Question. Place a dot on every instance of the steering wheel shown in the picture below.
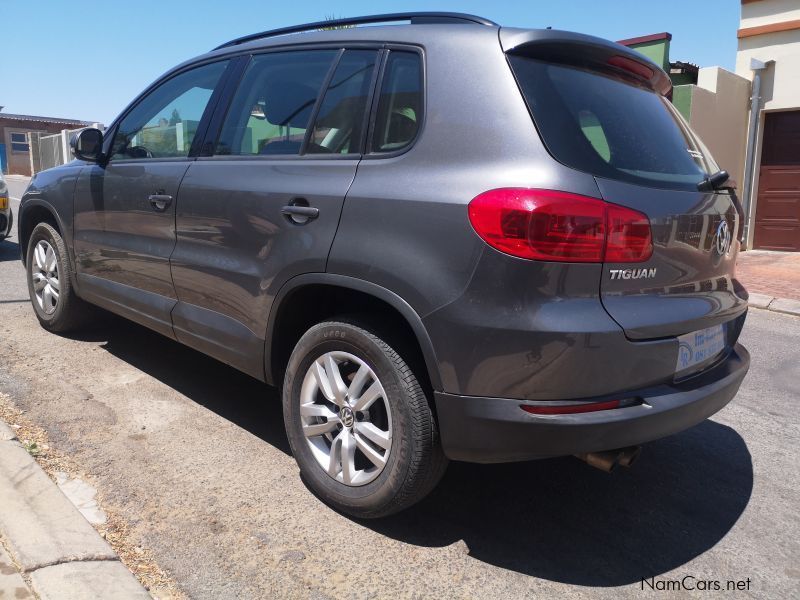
(139, 152)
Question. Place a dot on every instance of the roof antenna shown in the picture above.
(549, 27)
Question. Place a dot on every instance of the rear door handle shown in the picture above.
(160, 201)
(300, 214)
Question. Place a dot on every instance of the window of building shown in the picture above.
(19, 142)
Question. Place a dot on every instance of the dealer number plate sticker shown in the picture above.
(699, 347)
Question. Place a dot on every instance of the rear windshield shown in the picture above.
(611, 127)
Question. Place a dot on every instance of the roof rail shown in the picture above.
(415, 18)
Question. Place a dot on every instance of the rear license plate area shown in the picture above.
(699, 349)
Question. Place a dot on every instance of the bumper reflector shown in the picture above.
(568, 409)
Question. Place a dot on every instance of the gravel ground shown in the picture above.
(193, 456)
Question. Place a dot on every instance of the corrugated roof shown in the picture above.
(43, 119)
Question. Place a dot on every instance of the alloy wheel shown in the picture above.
(346, 418)
(45, 276)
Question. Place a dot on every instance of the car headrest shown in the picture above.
(289, 103)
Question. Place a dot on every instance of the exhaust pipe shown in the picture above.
(607, 460)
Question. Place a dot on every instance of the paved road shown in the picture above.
(194, 455)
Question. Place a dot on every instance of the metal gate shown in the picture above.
(48, 151)
(51, 150)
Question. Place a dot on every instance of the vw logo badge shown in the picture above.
(722, 238)
(347, 417)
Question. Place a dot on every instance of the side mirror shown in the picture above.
(87, 144)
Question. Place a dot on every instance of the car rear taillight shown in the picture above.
(629, 238)
(559, 226)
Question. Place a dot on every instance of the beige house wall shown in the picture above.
(719, 116)
(780, 82)
(767, 12)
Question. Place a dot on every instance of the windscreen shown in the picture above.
(611, 126)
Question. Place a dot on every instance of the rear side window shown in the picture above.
(399, 112)
(272, 107)
(611, 127)
(341, 116)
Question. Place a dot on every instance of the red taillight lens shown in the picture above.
(629, 238)
(541, 224)
(559, 226)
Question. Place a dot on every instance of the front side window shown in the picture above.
(164, 123)
(400, 103)
(272, 107)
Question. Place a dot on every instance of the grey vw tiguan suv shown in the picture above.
(444, 239)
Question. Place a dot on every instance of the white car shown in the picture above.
(6, 218)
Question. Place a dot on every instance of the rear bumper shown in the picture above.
(488, 430)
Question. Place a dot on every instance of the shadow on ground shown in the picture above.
(554, 519)
(229, 393)
(564, 521)
(8, 250)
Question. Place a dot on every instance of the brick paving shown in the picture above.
(775, 274)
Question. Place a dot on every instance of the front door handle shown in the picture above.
(160, 201)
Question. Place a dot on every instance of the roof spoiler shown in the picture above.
(585, 50)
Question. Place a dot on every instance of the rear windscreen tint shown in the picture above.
(611, 127)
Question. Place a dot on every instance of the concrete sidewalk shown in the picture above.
(772, 279)
(48, 550)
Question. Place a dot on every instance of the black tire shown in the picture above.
(71, 313)
(9, 226)
(415, 462)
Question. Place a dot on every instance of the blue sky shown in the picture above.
(86, 59)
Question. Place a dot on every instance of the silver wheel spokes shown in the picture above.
(346, 418)
(44, 274)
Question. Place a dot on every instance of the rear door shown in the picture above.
(265, 204)
(603, 117)
(124, 230)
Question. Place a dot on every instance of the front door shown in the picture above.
(777, 224)
(265, 207)
(125, 206)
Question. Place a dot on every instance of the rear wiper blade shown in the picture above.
(713, 182)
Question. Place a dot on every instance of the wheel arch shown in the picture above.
(32, 212)
(284, 327)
